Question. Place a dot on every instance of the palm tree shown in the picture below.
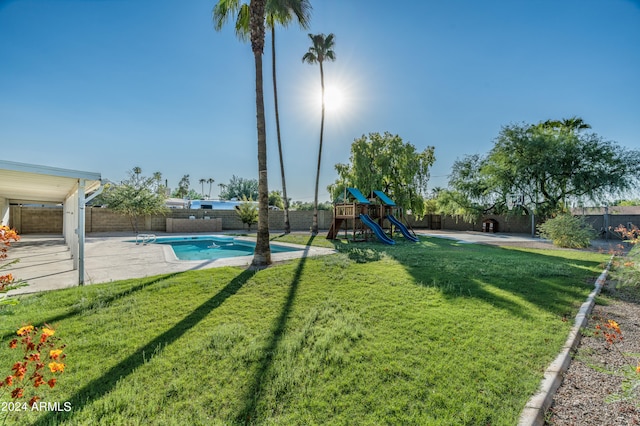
(574, 124)
(320, 50)
(568, 125)
(210, 182)
(281, 12)
(202, 181)
(256, 14)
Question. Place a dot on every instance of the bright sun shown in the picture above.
(333, 98)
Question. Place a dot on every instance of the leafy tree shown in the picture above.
(385, 162)
(472, 195)
(183, 187)
(306, 206)
(255, 16)
(320, 50)
(275, 199)
(550, 164)
(137, 196)
(248, 212)
(632, 202)
(455, 203)
(239, 188)
(191, 194)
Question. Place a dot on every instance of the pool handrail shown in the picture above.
(145, 239)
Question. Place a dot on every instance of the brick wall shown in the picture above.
(509, 224)
(36, 220)
(193, 225)
(48, 220)
(31, 220)
(597, 221)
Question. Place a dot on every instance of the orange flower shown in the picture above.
(13, 344)
(9, 380)
(33, 400)
(51, 382)
(25, 330)
(56, 366)
(614, 325)
(38, 381)
(46, 333)
(34, 357)
(55, 353)
(17, 393)
(20, 369)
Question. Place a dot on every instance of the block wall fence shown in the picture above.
(48, 220)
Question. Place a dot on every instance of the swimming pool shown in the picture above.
(214, 247)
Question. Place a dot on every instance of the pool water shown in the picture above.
(209, 248)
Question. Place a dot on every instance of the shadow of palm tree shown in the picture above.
(105, 383)
(248, 414)
(100, 301)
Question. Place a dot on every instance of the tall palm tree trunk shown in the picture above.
(287, 225)
(262, 253)
(314, 226)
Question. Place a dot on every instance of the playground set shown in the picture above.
(365, 217)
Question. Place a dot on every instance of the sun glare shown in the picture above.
(333, 98)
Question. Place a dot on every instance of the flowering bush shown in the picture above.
(610, 331)
(7, 281)
(629, 235)
(42, 360)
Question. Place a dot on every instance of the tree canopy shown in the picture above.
(550, 164)
(137, 196)
(240, 188)
(384, 162)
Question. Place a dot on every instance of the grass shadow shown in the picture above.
(485, 272)
(100, 301)
(249, 412)
(104, 384)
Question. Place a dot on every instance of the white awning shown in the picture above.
(29, 183)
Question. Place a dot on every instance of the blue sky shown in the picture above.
(105, 85)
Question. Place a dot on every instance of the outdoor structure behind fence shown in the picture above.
(49, 220)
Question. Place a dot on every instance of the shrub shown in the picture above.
(568, 231)
(248, 212)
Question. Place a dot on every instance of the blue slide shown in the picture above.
(402, 229)
(376, 229)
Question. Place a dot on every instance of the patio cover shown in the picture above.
(22, 183)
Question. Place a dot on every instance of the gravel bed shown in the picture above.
(581, 398)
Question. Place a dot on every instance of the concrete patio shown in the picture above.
(46, 263)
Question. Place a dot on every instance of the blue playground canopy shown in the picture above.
(355, 193)
(383, 197)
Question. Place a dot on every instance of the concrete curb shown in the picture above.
(534, 411)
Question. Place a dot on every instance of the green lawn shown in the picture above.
(429, 333)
